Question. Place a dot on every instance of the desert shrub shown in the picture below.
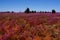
(7, 12)
(53, 11)
(45, 11)
(41, 11)
(12, 11)
(33, 11)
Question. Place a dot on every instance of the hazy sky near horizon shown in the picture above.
(21, 5)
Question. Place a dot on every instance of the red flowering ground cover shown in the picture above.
(34, 26)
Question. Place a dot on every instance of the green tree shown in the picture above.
(27, 10)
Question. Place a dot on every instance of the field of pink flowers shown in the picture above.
(34, 26)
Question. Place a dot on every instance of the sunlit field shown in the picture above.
(32, 26)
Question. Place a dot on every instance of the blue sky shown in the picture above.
(21, 5)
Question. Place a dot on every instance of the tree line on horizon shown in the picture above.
(28, 11)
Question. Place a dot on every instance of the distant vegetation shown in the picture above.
(28, 11)
(32, 11)
(53, 11)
